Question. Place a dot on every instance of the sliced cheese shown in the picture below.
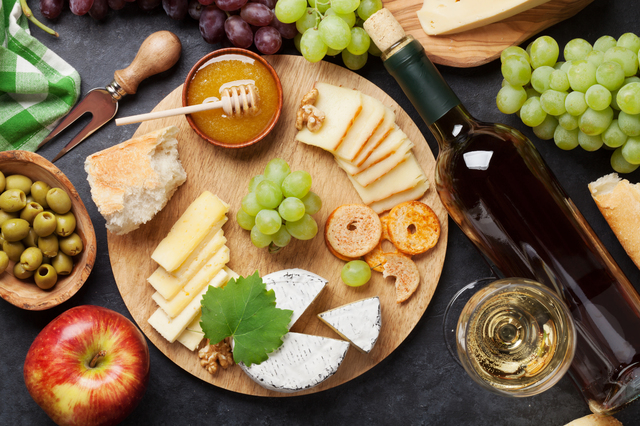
(381, 133)
(358, 322)
(414, 193)
(388, 146)
(378, 170)
(207, 274)
(189, 231)
(371, 116)
(171, 328)
(169, 284)
(403, 177)
(192, 335)
(341, 108)
(453, 16)
(302, 362)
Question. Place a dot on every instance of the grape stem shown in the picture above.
(27, 12)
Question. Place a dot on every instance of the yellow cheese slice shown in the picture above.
(175, 305)
(388, 146)
(453, 16)
(168, 284)
(341, 108)
(171, 328)
(189, 231)
(378, 170)
(371, 116)
(381, 133)
(414, 193)
(404, 176)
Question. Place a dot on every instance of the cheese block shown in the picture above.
(295, 289)
(414, 193)
(171, 328)
(453, 16)
(169, 284)
(302, 362)
(185, 295)
(358, 322)
(378, 170)
(189, 231)
(381, 133)
(403, 177)
(341, 108)
(371, 116)
(388, 146)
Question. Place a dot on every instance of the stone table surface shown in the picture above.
(419, 383)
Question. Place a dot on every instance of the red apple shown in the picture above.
(89, 366)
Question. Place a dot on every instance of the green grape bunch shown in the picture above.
(591, 99)
(331, 27)
(278, 207)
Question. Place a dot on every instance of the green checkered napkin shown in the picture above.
(37, 87)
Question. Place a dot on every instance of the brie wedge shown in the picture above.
(358, 322)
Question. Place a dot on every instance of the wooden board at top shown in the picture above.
(481, 45)
(226, 172)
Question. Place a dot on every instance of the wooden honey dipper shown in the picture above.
(238, 98)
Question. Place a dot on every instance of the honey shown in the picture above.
(222, 70)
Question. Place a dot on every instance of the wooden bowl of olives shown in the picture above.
(48, 244)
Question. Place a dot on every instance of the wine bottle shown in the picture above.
(498, 189)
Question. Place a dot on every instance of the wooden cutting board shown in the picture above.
(226, 172)
(481, 45)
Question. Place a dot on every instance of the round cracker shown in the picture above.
(352, 230)
(413, 227)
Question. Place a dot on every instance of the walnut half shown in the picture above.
(309, 114)
(212, 356)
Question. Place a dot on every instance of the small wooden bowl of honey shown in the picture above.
(224, 68)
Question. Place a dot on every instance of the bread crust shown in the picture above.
(352, 230)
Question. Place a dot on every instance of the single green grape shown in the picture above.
(355, 273)
(312, 47)
(360, 41)
(559, 65)
(297, 184)
(625, 57)
(632, 79)
(546, 130)
(303, 229)
(514, 50)
(544, 51)
(575, 104)
(255, 181)
(354, 62)
(595, 57)
(349, 18)
(289, 11)
(333, 52)
(312, 202)
(373, 50)
(628, 98)
(250, 204)
(619, 164)
(516, 70)
(276, 170)
(577, 49)
(345, 6)
(368, 8)
(541, 78)
(566, 66)
(532, 113)
(631, 151)
(630, 41)
(282, 238)
(335, 32)
(268, 221)
(552, 102)
(559, 81)
(296, 42)
(322, 5)
(531, 92)
(268, 194)
(245, 220)
(568, 121)
(582, 75)
(604, 43)
(291, 209)
(309, 19)
(589, 142)
(566, 139)
(613, 137)
(598, 97)
(629, 124)
(510, 98)
(594, 122)
(610, 75)
(259, 239)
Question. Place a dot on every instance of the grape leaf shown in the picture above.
(246, 311)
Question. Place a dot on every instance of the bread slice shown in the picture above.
(619, 203)
(594, 420)
(341, 108)
(132, 181)
(383, 130)
(371, 116)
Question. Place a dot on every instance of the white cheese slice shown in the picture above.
(378, 170)
(414, 193)
(341, 108)
(453, 16)
(302, 362)
(189, 230)
(295, 289)
(358, 322)
(371, 116)
(381, 133)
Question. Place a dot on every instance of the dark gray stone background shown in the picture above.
(417, 384)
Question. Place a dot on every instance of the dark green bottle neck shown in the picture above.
(452, 126)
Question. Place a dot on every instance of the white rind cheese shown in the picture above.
(358, 322)
(295, 289)
(302, 362)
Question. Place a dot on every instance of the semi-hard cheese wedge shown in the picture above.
(378, 170)
(358, 322)
(414, 193)
(169, 284)
(381, 133)
(390, 144)
(371, 116)
(453, 16)
(302, 362)
(341, 107)
(295, 289)
(175, 305)
(171, 328)
(189, 231)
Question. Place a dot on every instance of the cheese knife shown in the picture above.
(157, 53)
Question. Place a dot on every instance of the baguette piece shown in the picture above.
(619, 203)
(594, 420)
(132, 181)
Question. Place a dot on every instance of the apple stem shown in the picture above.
(97, 358)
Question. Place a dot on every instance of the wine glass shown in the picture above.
(513, 336)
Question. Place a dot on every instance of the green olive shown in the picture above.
(4, 216)
(31, 240)
(13, 250)
(4, 260)
(15, 229)
(71, 245)
(45, 224)
(20, 272)
(65, 224)
(3, 182)
(39, 191)
(20, 182)
(31, 258)
(49, 245)
(12, 200)
(30, 199)
(62, 263)
(58, 200)
(30, 211)
(46, 277)
(2, 240)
